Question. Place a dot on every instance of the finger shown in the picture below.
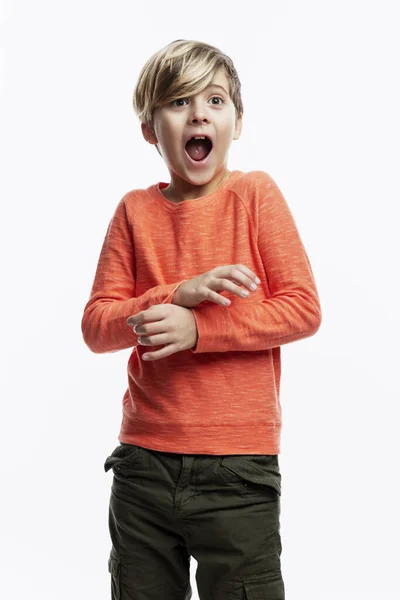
(239, 274)
(215, 297)
(164, 352)
(144, 316)
(249, 273)
(135, 319)
(152, 339)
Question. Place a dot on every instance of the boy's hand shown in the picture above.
(168, 324)
(206, 286)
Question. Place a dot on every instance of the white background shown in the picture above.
(320, 86)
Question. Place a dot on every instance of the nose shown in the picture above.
(198, 112)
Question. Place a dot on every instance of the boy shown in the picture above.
(196, 472)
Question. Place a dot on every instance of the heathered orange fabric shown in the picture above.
(221, 397)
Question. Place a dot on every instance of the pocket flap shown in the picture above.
(113, 566)
(266, 472)
(267, 587)
(122, 453)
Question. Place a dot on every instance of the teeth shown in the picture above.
(200, 137)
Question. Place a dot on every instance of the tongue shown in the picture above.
(197, 149)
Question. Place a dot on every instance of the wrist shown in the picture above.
(177, 298)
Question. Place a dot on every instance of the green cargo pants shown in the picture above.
(222, 510)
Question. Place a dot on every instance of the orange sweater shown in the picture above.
(221, 397)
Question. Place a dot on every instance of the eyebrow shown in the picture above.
(218, 86)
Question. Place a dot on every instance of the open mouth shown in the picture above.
(198, 148)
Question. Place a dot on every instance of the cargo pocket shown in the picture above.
(114, 568)
(266, 588)
(122, 455)
(252, 476)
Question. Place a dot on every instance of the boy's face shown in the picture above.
(203, 114)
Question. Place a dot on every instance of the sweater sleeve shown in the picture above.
(291, 310)
(112, 298)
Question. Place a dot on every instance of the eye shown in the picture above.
(178, 100)
(182, 99)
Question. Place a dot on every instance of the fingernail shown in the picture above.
(258, 280)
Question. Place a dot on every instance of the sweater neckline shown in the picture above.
(188, 205)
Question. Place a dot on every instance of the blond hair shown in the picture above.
(183, 67)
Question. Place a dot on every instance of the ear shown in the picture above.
(238, 127)
(148, 133)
